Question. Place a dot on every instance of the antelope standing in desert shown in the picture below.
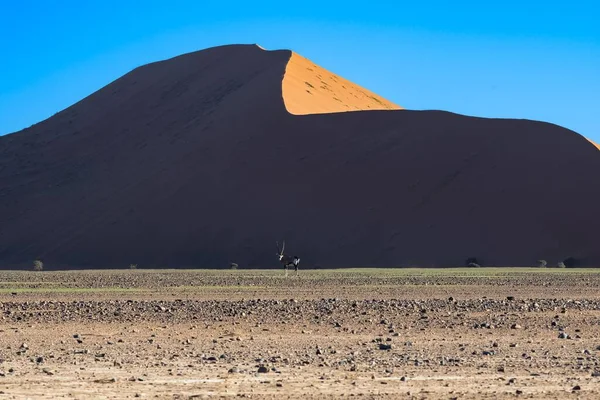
(287, 261)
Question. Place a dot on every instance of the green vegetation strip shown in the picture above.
(72, 290)
(374, 272)
(406, 273)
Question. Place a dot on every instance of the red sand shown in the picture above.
(310, 89)
(195, 161)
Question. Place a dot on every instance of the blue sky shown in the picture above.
(539, 60)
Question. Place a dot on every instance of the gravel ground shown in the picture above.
(454, 334)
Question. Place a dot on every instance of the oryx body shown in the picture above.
(287, 261)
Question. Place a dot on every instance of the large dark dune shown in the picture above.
(195, 162)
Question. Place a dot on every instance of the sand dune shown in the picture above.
(310, 89)
(197, 162)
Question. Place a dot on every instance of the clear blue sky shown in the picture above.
(523, 59)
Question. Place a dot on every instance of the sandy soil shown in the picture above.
(126, 334)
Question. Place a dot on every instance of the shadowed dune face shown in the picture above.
(310, 89)
(196, 162)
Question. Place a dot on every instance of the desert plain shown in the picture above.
(457, 333)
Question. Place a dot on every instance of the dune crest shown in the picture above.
(310, 89)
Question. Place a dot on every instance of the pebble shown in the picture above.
(106, 380)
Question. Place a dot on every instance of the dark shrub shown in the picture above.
(473, 262)
(571, 262)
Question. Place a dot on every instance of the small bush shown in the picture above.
(233, 266)
(132, 266)
(38, 265)
(561, 265)
(542, 263)
(472, 262)
(572, 262)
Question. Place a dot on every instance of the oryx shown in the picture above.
(287, 261)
